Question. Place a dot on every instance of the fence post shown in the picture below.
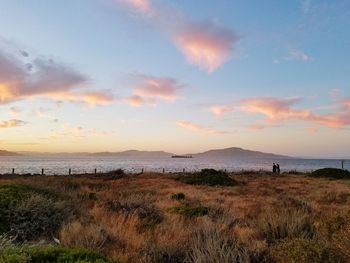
(13, 170)
(42, 171)
(70, 171)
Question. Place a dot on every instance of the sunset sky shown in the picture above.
(180, 76)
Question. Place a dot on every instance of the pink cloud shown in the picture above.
(151, 89)
(219, 110)
(346, 102)
(141, 6)
(281, 109)
(274, 108)
(135, 100)
(206, 45)
(44, 78)
(337, 119)
(198, 128)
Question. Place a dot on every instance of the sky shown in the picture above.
(180, 76)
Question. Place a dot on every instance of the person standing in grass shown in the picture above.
(278, 171)
(274, 167)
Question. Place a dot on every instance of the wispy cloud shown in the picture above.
(297, 54)
(205, 44)
(67, 131)
(151, 89)
(219, 110)
(23, 78)
(14, 111)
(12, 123)
(305, 6)
(277, 111)
(140, 6)
(198, 128)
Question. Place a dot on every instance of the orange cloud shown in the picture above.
(44, 78)
(206, 45)
(151, 89)
(274, 108)
(278, 110)
(12, 123)
(91, 98)
(198, 128)
(135, 100)
(219, 110)
(338, 119)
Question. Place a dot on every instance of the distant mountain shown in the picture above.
(134, 153)
(7, 153)
(238, 153)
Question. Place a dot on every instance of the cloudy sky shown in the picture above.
(180, 76)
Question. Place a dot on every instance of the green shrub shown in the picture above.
(178, 196)
(29, 213)
(209, 177)
(304, 250)
(332, 173)
(50, 254)
(189, 210)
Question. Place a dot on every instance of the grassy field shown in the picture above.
(203, 217)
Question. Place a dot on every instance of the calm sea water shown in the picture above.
(60, 165)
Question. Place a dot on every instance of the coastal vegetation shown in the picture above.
(332, 173)
(207, 216)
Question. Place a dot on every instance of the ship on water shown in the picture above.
(181, 156)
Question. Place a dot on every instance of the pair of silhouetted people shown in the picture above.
(276, 168)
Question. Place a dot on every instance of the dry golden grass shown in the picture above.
(130, 218)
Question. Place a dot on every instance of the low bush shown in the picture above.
(178, 196)
(328, 227)
(209, 177)
(29, 213)
(214, 245)
(335, 197)
(304, 250)
(156, 253)
(50, 254)
(332, 173)
(115, 174)
(341, 242)
(148, 214)
(89, 235)
(190, 210)
(275, 225)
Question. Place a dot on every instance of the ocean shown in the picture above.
(54, 165)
